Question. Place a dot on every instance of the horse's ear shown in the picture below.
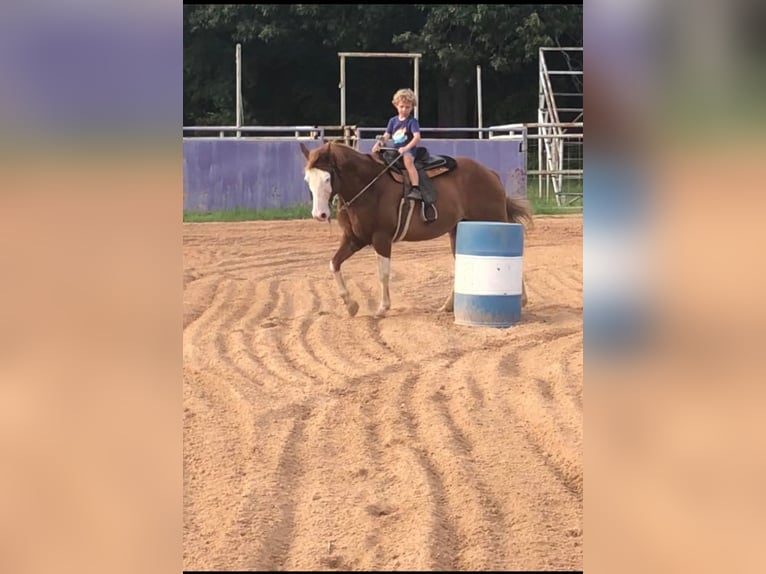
(305, 150)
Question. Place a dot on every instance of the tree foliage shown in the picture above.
(290, 67)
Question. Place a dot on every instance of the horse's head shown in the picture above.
(320, 172)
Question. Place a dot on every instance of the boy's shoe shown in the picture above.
(414, 193)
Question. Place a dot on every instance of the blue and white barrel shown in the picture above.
(488, 261)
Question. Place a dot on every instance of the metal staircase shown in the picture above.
(560, 127)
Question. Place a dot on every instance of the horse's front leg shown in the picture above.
(347, 248)
(382, 246)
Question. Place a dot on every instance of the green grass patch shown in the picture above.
(541, 206)
(571, 203)
(250, 214)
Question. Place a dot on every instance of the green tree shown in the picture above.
(504, 39)
(290, 60)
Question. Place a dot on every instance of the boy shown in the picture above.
(404, 130)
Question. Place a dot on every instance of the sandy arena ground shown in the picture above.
(316, 441)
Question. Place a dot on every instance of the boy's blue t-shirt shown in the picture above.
(402, 130)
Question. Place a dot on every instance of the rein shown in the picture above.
(366, 187)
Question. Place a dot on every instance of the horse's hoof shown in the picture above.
(352, 308)
(380, 313)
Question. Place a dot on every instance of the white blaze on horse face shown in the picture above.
(321, 189)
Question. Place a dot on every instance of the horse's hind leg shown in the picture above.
(347, 249)
(449, 303)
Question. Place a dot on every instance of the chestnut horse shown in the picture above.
(370, 208)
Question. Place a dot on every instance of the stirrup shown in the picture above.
(429, 209)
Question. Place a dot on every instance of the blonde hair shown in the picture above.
(405, 94)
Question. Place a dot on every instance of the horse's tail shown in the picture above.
(519, 210)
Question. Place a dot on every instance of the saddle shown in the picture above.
(428, 167)
(426, 164)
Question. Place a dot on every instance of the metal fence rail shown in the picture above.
(558, 174)
(309, 132)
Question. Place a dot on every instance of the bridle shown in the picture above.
(366, 187)
(334, 196)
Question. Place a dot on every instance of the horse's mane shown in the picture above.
(326, 155)
(314, 156)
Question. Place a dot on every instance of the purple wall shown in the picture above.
(224, 173)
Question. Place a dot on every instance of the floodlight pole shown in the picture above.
(478, 100)
(238, 60)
